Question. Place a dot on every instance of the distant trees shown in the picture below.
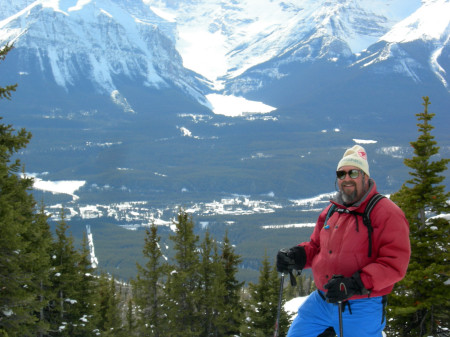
(419, 305)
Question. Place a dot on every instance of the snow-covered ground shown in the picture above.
(292, 306)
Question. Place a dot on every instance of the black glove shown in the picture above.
(341, 288)
(292, 258)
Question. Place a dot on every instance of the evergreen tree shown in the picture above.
(419, 305)
(262, 307)
(233, 312)
(148, 288)
(85, 290)
(104, 294)
(107, 315)
(212, 292)
(5, 92)
(39, 252)
(65, 313)
(305, 286)
(183, 281)
(129, 318)
(19, 301)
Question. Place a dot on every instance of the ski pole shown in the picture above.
(341, 328)
(280, 297)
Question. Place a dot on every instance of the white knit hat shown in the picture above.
(356, 156)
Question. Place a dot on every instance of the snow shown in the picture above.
(393, 151)
(292, 306)
(90, 237)
(222, 39)
(58, 187)
(429, 22)
(208, 59)
(106, 54)
(185, 132)
(121, 101)
(437, 68)
(365, 141)
(234, 106)
(163, 14)
(299, 225)
(79, 5)
(317, 200)
(225, 38)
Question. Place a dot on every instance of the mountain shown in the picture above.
(100, 49)
(335, 60)
(425, 33)
(129, 103)
(292, 54)
(239, 35)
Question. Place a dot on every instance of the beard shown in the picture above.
(349, 198)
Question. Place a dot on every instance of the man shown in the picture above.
(350, 262)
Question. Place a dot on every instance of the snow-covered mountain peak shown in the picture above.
(226, 38)
(99, 41)
(428, 30)
(430, 22)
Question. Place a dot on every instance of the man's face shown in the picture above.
(352, 189)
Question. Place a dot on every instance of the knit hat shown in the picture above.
(356, 156)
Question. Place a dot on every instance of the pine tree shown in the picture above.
(129, 318)
(233, 312)
(6, 91)
(183, 281)
(102, 308)
(212, 292)
(19, 301)
(107, 314)
(148, 287)
(64, 312)
(39, 252)
(419, 305)
(85, 290)
(262, 306)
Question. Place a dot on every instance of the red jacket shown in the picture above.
(342, 248)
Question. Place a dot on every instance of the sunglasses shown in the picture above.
(354, 173)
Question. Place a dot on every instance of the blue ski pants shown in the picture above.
(361, 318)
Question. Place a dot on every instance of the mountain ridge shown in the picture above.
(139, 44)
(71, 47)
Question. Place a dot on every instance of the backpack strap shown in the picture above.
(330, 212)
(366, 217)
